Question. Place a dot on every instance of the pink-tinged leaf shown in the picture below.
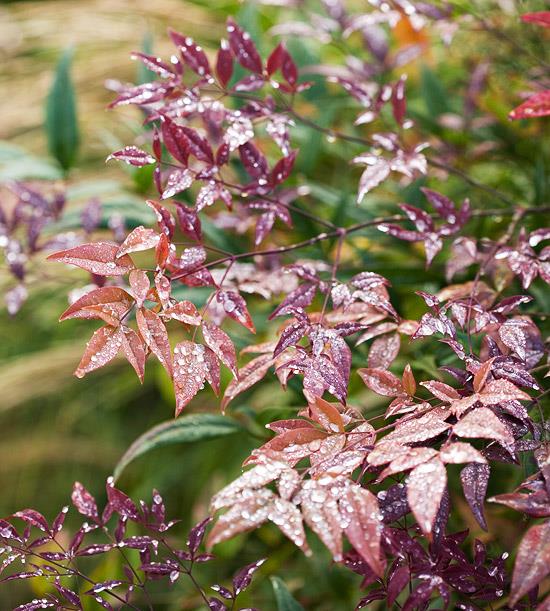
(222, 346)
(264, 226)
(411, 458)
(102, 348)
(253, 479)
(497, 391)
(84, 501)
(288, 518)
(192, 54)
(475, 479)
(384, 351)
(108, 303)
(190, 372)
(178, 180)
(245, 515)
(482, 422)
(541, 18)
(133, 156)
(134, 351)
(224, 64)
(535, 505)
(372, 176)
(532, 561)
(34, 518)
(189, 222)
(148, 93)
(382, 382)
(154, 333)
(460, 452)
(364, 530)
(100, 258)
(154, 64)
(235, 307)
(213, 372)
(249, 375)
(163, 288)
(425, 487)
(514, 334)
(319, 502)
(428, 426)
(184, 311)
(442, 391)
(327, 415)
(141, 238)
(538, 105)
(139, 283)
(398, 232)
(243, 48)
(299, 298)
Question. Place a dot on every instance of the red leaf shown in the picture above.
(134, 351)
(541, 18)
(220, 343)
(108, 303)
(133, 156)
(532, 561)
(154, 333)
(382, 382)
(535, 505)
(365, 525)
(425, 487)
(102, 348)
(243, 48)
(538, 105)
(100, 258)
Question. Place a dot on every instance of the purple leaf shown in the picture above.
(475, 479)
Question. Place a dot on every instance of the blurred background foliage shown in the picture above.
(55, 429)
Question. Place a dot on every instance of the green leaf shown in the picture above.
(285, 600)
(61, 120)
(433, 92)
(194, 427)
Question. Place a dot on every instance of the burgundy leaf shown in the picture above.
(84, 501)
(382, 382)
(192, 54)
(133, 156)
(243, 47)
(475, 479)
(224, 64)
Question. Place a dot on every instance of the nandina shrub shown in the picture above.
(373, 488)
